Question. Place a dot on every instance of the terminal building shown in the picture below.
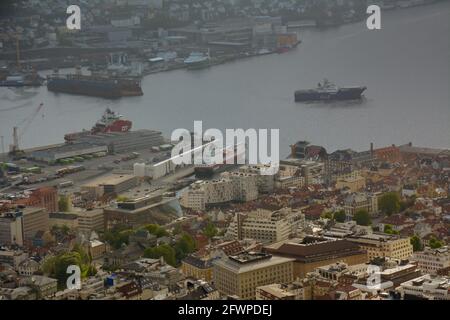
(118, 142)
(111, 142)
(141, 211)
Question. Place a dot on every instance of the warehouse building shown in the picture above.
(125, 141)
(53, 154)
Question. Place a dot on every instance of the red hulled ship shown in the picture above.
(110, 122)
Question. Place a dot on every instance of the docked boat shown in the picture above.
(197, 60)
(328, 91)
(95, 85)
(109, 122)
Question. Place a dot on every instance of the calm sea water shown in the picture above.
(406, 67)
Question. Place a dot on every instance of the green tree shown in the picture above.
(156, 230)
(389, 203)
(177, 229)
(117, 237)
(57, 266)
(388, 229)
(122, 199)
(416, 243)
(435, 243)
(164, 250)
(327, 215)
(362, 218)
(63, 203)
(184, 246)
(210, 230)
(339, 216)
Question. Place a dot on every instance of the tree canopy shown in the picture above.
(117, 237)
(389, 203)
(389, 230)
(56, 267)
(184, 246)
(416, 243)
(435, 243)
(210, 230)
(163, 250)
(362, 218)
(157, 230)
(339, 216)
(63, 203)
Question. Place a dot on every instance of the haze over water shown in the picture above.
(406, 67)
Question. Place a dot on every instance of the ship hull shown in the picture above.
(198, 65)
(26, 83)
(107, 89)
(340, 95)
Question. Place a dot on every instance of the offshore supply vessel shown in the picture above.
(328, 91)
(97, 86)
(110, 122)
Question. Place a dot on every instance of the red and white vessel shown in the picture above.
(110, 122)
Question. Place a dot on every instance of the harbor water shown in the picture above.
(405, 67)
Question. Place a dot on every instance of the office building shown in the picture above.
(380, 245)
(265, 225)
(11, 231)
(311, 252)
(432, 260)
(241, 274)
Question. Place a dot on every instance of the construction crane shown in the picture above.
(18, 52)
(14, 149)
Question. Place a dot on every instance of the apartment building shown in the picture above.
(432, 260)
(91, 220)
(60, 219)
(11, 231)
(380, 245)
(265, 182)
(234, 186)
(266, 226)
(353, 183)
(34, 220)
(44, 197)
(197, 267)
(426, 287)
(360, 201)
(12, 257)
